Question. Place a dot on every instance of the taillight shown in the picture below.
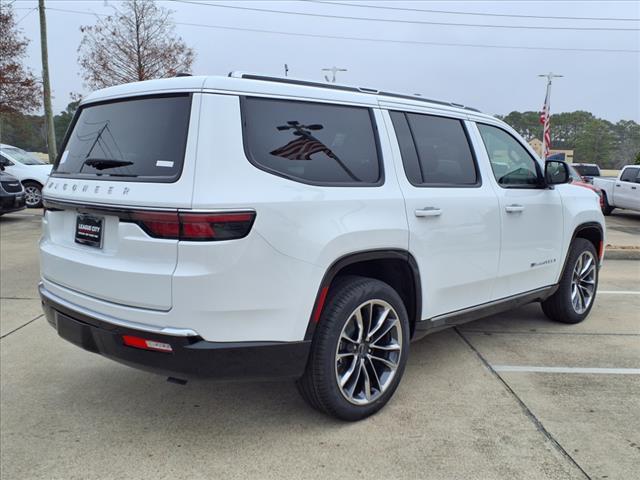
(215, 226)
(198, 227)
(158, 224)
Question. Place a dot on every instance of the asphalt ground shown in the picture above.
(513, 396)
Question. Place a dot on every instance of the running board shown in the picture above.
(440, 322)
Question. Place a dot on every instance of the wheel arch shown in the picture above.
(31, 180)
(396, 267)
(591, 231)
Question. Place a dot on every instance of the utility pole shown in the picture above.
(546, 115)
(333, 71)
(48, 114)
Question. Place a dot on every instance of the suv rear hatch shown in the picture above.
(112, 200)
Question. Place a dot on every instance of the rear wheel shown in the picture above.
(359, 350)
(33, 194)
(574, 298)
(606, 208)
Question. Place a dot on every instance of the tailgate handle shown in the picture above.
(428, 212)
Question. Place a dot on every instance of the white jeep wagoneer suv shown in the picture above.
(256, 227)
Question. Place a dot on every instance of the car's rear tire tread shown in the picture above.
(558, 306)
(316, 384)
(606, 208)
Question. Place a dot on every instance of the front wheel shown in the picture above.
(359, 350)
(33, 194)
(573, 300)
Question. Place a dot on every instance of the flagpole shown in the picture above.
(549, 76)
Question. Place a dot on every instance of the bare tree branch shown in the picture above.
(19, 91)
(137, 42)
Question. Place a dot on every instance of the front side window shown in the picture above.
(137, 139)
(630, 174)
(513, 166)
(435, 150)
(315, 143)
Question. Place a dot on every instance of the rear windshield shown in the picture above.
(588, 170)
(140, 139)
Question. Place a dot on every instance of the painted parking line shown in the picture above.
(619, 292)
(532, 369)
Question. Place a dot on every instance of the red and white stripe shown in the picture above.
(546, 131)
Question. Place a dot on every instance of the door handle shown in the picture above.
(514, 208)
(428, 212)
(617, 184)
(633, 188)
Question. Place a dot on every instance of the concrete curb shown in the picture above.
(622, 254)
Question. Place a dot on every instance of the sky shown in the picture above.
(495, 80)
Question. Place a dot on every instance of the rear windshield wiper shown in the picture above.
(104, 163)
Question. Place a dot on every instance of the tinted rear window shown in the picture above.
(435, 150)
(139, 139)
(316, 143)
(588, 171)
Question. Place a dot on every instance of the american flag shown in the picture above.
(302, 148)
(546, 132)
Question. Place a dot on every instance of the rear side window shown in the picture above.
(141, 139)
(315, 143)
(435, 150)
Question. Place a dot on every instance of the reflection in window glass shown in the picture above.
(512, 165)
(311, 142)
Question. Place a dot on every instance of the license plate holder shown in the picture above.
(89, 230)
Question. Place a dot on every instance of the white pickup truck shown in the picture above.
(621, 192)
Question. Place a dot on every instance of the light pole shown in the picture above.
(546, 114)
(333, 71)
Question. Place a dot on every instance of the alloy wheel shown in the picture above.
(583, 282)
(368, 352)
(33, 196)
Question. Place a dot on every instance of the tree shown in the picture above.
(63, 119)
(19, 90)
(136, 43)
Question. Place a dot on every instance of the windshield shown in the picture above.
(21, 156)
(139, 139)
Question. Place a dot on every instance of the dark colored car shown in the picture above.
(587, 171)
(12, 196)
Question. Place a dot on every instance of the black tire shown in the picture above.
(606, 208)
(319, 384)
(559, 306)
(34, 186)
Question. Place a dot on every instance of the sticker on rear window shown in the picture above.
(164, 163)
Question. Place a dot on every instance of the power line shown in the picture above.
(452, 12)
(378, 40)
(26, 15)
(414, 22)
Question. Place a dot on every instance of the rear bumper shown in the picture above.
(191, 356)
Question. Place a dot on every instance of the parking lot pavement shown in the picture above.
(461, 410)
(623, 229)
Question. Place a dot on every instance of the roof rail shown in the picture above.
(332, 86)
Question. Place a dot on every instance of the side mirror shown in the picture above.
(1, 167)
(556, 172)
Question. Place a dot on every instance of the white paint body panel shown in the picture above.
(620, 194)
(263, 287)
